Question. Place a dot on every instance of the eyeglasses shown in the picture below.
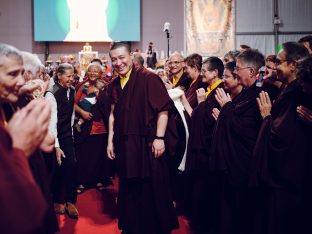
(279, 62)
(174, 63)
(236, 69)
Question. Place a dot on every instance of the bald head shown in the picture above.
(176, 63)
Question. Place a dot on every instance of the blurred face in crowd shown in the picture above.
(191, 72)
(208, 74)
(176, 64)
(11, 78)
(284, 68)
(121, 60)
(244, 73)
(67, 78)
(65, 59)
(94, 72)
(230, 83)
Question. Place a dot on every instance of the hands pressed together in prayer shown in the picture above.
(222, 97)
(29, 126)
(215, 113)
(264, 104)
(305, 114)
(201, 95)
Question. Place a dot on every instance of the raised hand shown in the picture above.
(201, 95)
(264, 104)
(29, 126)
(222, 97)
(215, 113)
(305, 114)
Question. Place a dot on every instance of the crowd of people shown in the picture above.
(226, 142)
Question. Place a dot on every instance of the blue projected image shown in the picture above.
(92, 20)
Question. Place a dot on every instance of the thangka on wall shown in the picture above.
(209, 27)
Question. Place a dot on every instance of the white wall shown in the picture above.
(16, 28)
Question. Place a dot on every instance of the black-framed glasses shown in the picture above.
(236, 69)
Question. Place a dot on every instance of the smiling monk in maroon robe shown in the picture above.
(137, 125)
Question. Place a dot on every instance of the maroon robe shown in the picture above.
(22, 203)
(203, 189)
(191, 94)
(282, 164)
(143, 178)
(234, 139)
(184, 82)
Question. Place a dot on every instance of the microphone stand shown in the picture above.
(168, 38)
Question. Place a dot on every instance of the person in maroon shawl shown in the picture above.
(282, 155)
(137, 126)
(193, 64)
(202, 186)
(233, 142)
(22, 203)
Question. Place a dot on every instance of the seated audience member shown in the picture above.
(22, 204)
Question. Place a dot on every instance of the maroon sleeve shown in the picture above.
(21, 201)
(158, 96)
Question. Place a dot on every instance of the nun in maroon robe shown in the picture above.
(282, 163)
(233, 142)
(144, 199)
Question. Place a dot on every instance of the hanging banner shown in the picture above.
(209, 27)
